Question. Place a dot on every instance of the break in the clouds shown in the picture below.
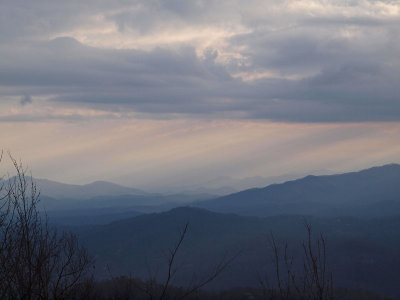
(296, 61)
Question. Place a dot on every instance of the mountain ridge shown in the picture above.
(97, 188)
(325, 195)
(138, 241)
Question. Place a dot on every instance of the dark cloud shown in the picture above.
(321, 68)
(26, 99)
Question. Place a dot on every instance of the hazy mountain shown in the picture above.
(105, 209)
(218, 191)
(224, 185)
(371, 192)
(59, 197)
(59, 190)
(363, 253)
(92, 216)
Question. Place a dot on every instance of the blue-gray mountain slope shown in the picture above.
(369, 193)
(362, 253)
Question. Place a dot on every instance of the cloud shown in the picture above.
(296, 61)
(188, 87)
(27, 99)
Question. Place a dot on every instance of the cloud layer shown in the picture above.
(296, 61)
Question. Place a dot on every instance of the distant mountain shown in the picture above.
(141, 203)
(221, 191)
(56, 196)
(363, 253)
(224, 185)
(59, 190)
(369, 193)
(91, 216)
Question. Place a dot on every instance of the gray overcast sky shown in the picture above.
(255, 85)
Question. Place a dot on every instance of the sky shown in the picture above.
(177, 92)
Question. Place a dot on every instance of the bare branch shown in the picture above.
(315, 282)
(171, 261)
(35, 260)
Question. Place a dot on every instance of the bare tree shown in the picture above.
(195, 285)
(318, 282)
(152, 288)
(36, 261)
(310, 281)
